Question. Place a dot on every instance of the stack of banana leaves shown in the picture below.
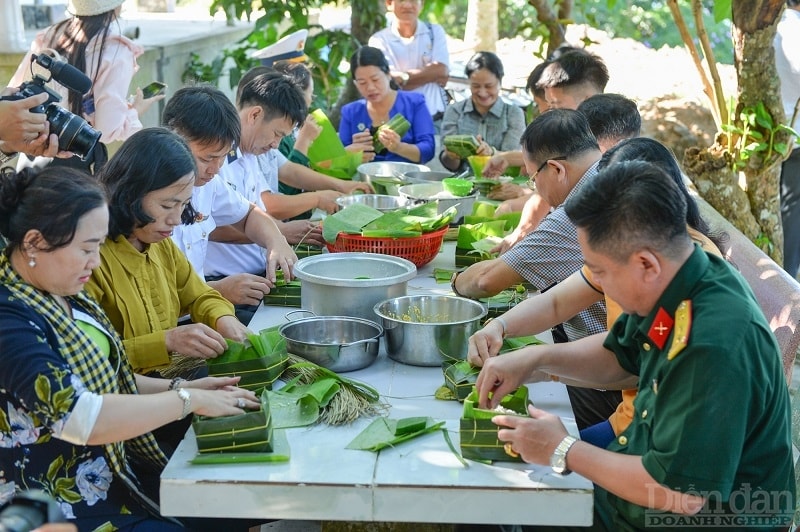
(306, 250)
(284, 293)
(311, 393)
(400, 223)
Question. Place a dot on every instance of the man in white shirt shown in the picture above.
(208, 121)
(270, 107)
(416, 52)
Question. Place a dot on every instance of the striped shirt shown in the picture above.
(549, 254)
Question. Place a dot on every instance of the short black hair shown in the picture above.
(276, 94)
(249, 76)
(202, 114)
(629, 206)
(487, 61)
(297, 72)
(612, 116)
(52, 201)
(558, 133)
(575, 67)
(368, 56)
(653, 152)
(151, 159)
(533, 80)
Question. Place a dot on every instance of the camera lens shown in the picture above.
(74, 133)
(21, 519)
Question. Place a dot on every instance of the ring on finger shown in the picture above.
(240, 403)
(509, 450)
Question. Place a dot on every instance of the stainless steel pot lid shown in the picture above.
(354, 269)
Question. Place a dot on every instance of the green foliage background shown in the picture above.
(648, 22)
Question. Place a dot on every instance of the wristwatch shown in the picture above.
(184, 394)
(6, 157)
(559, 459)
(404, 78)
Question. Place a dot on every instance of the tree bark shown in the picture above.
(710, 171)
(754, 209)
(754, 29)
(552, 21)
(480, 32)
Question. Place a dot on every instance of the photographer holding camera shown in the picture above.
(92, 41)
(22, 130)
(68, 134)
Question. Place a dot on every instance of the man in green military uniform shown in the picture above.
(710, 443)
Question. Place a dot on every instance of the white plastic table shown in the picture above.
(417, 481)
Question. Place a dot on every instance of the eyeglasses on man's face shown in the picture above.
(532, 179)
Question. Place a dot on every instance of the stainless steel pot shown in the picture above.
(417, 193)
(421, 177)
(349, 284)
(339, 343)
(387, 170)
(426, 330)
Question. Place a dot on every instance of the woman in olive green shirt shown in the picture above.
(145, 284)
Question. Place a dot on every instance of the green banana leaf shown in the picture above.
(327, 145)
(390, 233)
(348, 220)
(443, 275)
(425, 210)
(381, 433)
(512, 344)
(469, 233)
(342, 167)
(259, 364)
(479, 435)
(460, 377)
(280, 453)
(299, 406)
(321, 390)
(250, 431)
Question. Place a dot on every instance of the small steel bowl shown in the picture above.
(339, 343)
(380, 202)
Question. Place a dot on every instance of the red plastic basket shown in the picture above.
(418, 249)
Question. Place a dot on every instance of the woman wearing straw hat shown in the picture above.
(91, 40)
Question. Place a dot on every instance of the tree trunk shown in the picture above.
(366, 17)
(710, 171)
(755, 210)
(555, 28)
(754, 57)
(480, 32)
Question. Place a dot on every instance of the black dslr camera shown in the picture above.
(29, 510)
(74, 133)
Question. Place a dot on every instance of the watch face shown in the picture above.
(558, 463)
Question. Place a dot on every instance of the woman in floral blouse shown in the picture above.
(72, 414)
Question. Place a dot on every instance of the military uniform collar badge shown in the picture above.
(660, 328)
(232, 154)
